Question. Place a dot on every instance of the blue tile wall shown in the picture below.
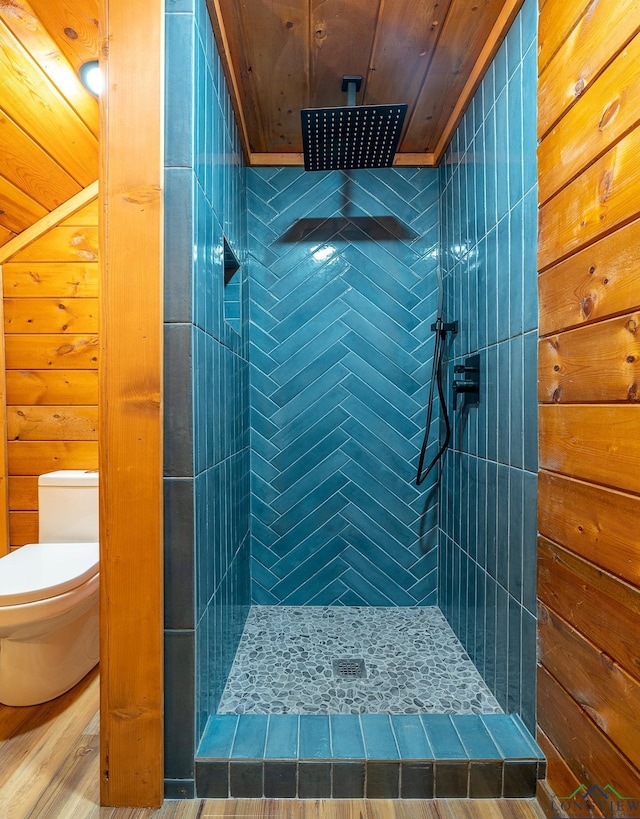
(207, 464)
(488, 510)
(343, 294)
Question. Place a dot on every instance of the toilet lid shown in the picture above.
(41, 570)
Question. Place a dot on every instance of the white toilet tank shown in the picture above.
(68, 506)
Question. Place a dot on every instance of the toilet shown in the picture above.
(49, 627)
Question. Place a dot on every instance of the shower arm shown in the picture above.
(351, 85)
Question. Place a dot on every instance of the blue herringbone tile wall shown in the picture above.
(488, 502)
(207, 486)
(343, 293)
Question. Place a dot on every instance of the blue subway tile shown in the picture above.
(282, 737)
(249, 742)
(511, 737)
(443, 737)
(346, 737)
(218, 737)
(379, 739)
(475, 738)
(410, 736)
(315, 737)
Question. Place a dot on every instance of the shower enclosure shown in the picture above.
(293, 432)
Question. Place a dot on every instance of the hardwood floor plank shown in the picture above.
(46, 750)
(49, 769)
(488, 809)
(282, 809)
(72, 790)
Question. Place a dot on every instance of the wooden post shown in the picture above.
(131, 149)
(4, 468)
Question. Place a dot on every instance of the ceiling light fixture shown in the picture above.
(91, 76)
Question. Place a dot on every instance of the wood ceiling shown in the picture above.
(279, 55)
(48, 120)
(284, 55)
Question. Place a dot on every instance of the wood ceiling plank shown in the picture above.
(17, 209)
(73, 24)
(6, 235)
(341, 42)
(29, 167)
(408, 31)
(32, 101)
(270, 55)
(44, 50)
(464, 33)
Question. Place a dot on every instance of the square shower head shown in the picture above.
(351, 137)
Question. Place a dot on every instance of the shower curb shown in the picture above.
(373, 756)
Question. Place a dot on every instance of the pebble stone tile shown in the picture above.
(414, 664)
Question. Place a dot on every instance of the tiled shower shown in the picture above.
(291, 445)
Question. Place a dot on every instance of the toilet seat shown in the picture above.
(39, 571)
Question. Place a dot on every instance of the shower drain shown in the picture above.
(349, 668)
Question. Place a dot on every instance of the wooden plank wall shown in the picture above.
(589, 372)
(50, 301)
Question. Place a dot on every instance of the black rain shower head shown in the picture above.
(353, 136)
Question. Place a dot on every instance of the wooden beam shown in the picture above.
(49, 221)
(131, 259)
(424, 160)
(4, 467)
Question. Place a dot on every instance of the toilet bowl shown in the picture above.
(49, 626)
(49, 606)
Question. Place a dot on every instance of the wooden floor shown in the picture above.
(49, 761)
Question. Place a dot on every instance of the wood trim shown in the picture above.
(489, 50)
(131, 266)
(402, 160)
(407, 160)
(222, 41)
(49, 221)
(274, 160)
(4, 466)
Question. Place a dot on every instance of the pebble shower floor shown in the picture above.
(414, 663)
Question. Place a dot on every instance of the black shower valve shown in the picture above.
(470, 388)
(470, 385)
